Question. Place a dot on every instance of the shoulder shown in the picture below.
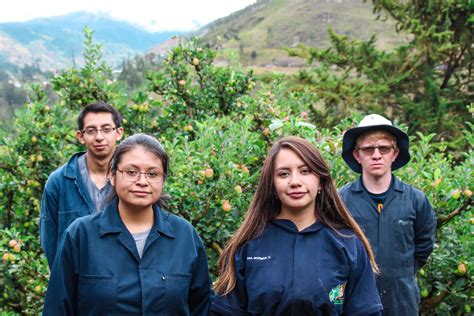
(177, 226)
(344, 238)
(176, 221)
(57, 176)
(414, 193)
(346, 189)
(82, 225)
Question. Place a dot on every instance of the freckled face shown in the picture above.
(143, 191)
(296, 185)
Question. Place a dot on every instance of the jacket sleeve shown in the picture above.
(200, 292)
(425, 228)
(61, 294)
(234, 303)
(361, 294)
(49, 220)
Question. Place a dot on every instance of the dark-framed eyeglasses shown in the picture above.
(133, 175)
(369, 150)
(93, 131)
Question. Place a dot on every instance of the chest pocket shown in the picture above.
(404, 235)
(97, 288)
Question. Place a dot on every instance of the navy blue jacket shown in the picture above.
(98, 271)
(65, 198)
(313, 272)
(402, 238)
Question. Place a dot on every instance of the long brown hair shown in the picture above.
(330, 210)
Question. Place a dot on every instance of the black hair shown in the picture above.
(150, 144)
(99, 107)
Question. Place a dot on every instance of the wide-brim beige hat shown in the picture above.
(374, 122)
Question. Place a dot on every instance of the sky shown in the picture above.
(154, 15)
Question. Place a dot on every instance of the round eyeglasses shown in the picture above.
(134, 175)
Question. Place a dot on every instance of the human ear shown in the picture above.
(80, 137)
(355, 153)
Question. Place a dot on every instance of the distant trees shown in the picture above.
(134, 70)
(427, 81)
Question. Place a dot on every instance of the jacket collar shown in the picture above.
(291, 227)
(110, 221)
(72, 167)
(397, 185)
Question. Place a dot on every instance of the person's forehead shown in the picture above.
(98, 119)
(378, 138)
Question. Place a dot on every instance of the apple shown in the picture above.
(226, 205)
(238, 189)
(12, 243)
(209, 173)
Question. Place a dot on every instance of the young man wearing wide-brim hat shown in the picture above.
(397, 218)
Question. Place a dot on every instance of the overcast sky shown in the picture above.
(155, 15)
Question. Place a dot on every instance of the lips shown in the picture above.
(140, 193)
(100, 146)
(296, 195)
(377, 165)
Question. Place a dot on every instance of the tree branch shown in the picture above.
(215, 246)
(444, 219)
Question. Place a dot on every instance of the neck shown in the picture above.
(98, 169)
(136, 219)
(302, 220)
(377, 185)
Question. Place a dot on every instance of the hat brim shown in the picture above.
(350, 138)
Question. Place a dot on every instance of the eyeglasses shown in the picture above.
(93, 131)
(133, 175)
(369, 150)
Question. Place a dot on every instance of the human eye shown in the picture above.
(132, 172)
(90, 130)
(283, 173)
(385, 149)
(152, 174)
(106, 130)
(305, 171)
(367, 150)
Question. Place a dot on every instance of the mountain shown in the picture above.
(262, 31)
(56, 42)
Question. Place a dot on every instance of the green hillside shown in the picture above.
(260, 32)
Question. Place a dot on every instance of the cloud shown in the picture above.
(180, 15)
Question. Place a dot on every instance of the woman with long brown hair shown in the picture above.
(298, 250)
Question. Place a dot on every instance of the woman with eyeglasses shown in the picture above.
(134, 257)
(298, 250)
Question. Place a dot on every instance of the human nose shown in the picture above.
(376, 154)
(142, 179)
(294, 179)
(99, 135)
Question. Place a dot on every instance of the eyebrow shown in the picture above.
(93, 126)
(136, 167)
(287, 168)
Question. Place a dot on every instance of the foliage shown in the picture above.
(217, 128)
(427, 81)
(77, 88)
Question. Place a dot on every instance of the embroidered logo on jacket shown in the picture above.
(336, 296)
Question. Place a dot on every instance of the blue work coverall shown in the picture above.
(402, 238)
(317, 271)
(98, 271)
(65, 198)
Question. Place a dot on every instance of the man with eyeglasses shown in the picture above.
(80, 187)
(397, 219)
